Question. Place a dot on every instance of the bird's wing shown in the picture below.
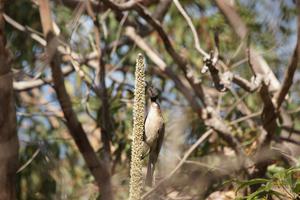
(145, 151)
(154, 155)
(160, 139)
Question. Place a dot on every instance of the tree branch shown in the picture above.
(290, 72)
(9, 144)
(104, 118)
(97, 167)
(190, 23)
(259, 64)
(132, 34)
(34, 83)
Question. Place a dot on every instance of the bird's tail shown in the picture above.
(149, 175)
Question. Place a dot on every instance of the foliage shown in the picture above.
(282, 183)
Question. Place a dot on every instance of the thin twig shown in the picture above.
(34, 83)
(190, 23)
(29, 161)
(119, 31)
(245, 118)
(291, 129)
(233, 106)
(289, 140)
(294, 111)
(22, 28)
(182, 161)
(206, 165)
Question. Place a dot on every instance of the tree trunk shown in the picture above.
(8, 134)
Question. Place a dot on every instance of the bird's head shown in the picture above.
(152, 92)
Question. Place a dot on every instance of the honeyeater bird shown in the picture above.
(154, 133)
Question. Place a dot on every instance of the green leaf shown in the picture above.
(296, 187)
(251, 182)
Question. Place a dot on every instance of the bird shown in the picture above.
(154, 133)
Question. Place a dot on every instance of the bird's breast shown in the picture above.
(153, 124)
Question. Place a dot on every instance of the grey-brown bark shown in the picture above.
(8, 134)
(96, 166)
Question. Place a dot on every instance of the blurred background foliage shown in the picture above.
(56, 169)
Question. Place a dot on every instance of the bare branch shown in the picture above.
(190, 23)
(131, 33)
(27, 163)
(287, 139)
(25, 29)
(246, 117)
(97, 168)
(34, 83)
(161, 9)
(122, 7)
(291, 129)
(181, 61)
(259, 64)
(105, 119)
(245, 84)
(74, 3)
(290, 72)
(63, 49)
